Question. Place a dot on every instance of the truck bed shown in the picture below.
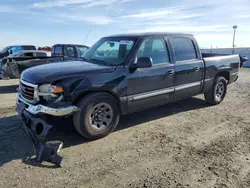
(206, 55)
(221, 61)
(227, 64)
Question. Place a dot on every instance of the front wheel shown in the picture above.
(218, 91)
(98, 115)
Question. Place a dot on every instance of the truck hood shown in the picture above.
(56, 71)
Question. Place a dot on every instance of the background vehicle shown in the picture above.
(45, 48)
(12, 66)
(133, 72)
(9, 50)
(32, 53)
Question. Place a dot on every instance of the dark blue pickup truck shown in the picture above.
(122, 74)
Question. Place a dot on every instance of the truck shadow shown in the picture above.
(70, 137)
(15, 143)
(8, 89)
(161, 112)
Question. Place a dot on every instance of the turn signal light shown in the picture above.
(56, 89)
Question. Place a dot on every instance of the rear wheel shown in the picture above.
(218, 91)
(98, 116)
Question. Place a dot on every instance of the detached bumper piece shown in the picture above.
(37, 130)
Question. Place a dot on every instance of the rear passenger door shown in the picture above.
(188, 67)
(152, 86)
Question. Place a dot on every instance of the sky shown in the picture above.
(47, 22)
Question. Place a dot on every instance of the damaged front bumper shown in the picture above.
(41, 109)
(38, 129)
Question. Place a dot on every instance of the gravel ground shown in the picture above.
(183, 144)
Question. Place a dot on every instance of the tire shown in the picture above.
(93, 121)
(218, 91)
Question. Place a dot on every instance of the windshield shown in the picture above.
(110, 51)
(17, 54)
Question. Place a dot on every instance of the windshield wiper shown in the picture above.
(99, 61)
(84, 59)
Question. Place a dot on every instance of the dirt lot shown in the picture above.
(183, 144)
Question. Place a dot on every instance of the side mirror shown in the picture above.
(243, 59)
(10, 51)
(143, 62)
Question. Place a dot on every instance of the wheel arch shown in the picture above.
(83, 94)
(224, 74)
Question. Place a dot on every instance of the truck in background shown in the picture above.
(13, 66)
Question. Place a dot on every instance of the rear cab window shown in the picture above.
(57, 50)
(184, 49)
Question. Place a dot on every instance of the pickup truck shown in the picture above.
(12, 66)
(9, 50)
(121, 74)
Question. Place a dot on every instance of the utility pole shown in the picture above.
(234, 27)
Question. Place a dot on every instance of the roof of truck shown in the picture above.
(31, 51)
(70, 45)
(150, 34)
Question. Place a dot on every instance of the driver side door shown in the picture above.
(152, 86)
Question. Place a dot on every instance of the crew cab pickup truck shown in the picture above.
(13, 66)
(122, 74)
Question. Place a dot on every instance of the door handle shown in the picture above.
(170, 72)
(196, 68)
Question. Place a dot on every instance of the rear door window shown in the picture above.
(184, 49)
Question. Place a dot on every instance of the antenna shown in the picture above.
(87, 36)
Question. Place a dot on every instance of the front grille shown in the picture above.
(28, 91)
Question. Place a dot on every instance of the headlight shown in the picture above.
(50, 89)
(44, 88)
(50, 92)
